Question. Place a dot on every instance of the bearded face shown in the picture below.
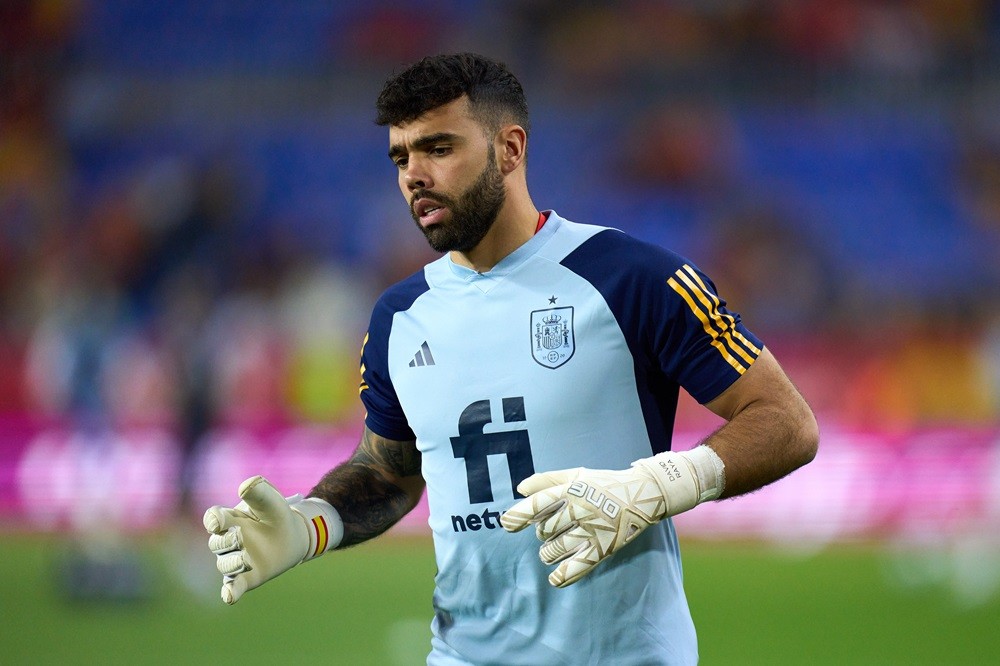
(473, 212)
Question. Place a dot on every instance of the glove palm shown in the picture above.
(267, 534)
(583, 515)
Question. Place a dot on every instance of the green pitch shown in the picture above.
(371, 605)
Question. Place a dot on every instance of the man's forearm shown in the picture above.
(763, 443)
(770, 430)
(376, 487)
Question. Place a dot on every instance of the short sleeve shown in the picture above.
(384, 415)
(674, 321)
(704, 345)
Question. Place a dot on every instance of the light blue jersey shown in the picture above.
(569, 353)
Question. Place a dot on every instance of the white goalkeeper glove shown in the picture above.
(585, 515)
(267, 534)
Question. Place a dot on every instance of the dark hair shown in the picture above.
(495, 95)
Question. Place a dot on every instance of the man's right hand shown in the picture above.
(267, 534)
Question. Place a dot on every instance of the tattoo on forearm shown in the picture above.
(366, 488)
(399, 458)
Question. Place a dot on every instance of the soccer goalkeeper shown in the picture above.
(529, 378)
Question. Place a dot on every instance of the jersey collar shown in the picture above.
(515, 258)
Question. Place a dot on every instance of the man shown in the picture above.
(541, 359)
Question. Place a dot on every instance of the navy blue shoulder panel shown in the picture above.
(400, 296)
(677, 328)
(609, 261)
(384, 414)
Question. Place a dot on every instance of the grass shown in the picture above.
(845, 605)
(371, 605)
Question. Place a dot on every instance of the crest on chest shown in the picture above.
(552, 339)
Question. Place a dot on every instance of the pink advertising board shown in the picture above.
(928, 483)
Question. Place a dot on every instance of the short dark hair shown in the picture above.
(495, 95)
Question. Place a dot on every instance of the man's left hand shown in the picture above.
(584, 515)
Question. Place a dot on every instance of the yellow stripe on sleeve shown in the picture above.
(363, 384)
(322, 535)
(728, 317)
(706, 324)
(721, 325)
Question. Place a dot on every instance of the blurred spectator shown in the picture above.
(988, 358)
(386, 35)
(683, 145)
(773, 272)
(321, 310)
(978, 173)
(926, 370)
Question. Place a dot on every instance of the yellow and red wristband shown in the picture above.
(323, 522)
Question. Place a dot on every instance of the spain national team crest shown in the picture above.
(552, 342)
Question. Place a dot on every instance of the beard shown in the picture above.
(472, 213)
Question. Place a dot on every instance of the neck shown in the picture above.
(515, 225)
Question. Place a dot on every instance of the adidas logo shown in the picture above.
(422, 357)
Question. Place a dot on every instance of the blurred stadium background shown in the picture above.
(196, 214)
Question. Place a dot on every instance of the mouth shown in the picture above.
(428, 211)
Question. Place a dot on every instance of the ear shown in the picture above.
(511, 144)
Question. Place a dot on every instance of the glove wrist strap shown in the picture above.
(323, 523)
(686, 478)
(710, 470)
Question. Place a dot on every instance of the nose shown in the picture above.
(415, 176)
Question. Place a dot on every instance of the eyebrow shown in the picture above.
(423, 142)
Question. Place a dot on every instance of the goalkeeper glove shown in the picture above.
(585, 515)
(267, 534)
